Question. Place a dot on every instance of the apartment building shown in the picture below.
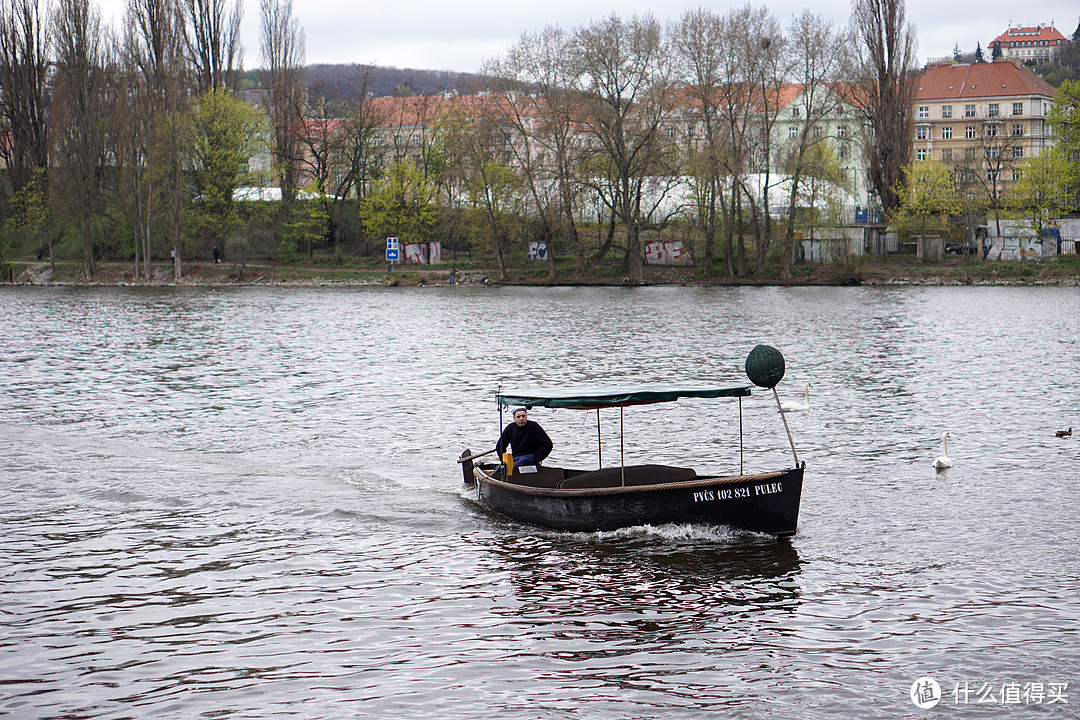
(840, 127)
(987, 117)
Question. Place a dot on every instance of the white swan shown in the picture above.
(798, 407)
(943, 462)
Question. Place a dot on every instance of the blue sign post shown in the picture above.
(393, 252)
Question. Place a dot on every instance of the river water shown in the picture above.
(244, 503)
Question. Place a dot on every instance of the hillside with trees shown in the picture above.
(147, 143)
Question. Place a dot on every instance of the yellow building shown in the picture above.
(985, 118)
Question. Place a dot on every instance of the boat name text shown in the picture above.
(744, 493)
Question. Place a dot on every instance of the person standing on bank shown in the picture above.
(529, 441)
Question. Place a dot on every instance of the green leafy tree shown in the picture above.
(1064, 118)
(816, 201)
(979, 58)
(401, 205)
(478, 148)
(1046, 189)
(931, 198)
(29, 215)
(1064, 64)
(305, 225)
(227, 133)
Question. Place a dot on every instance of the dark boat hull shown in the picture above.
(766, 503)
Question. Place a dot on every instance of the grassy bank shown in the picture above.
(866, 270)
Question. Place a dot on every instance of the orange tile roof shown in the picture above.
(978, 80)
(1016, 35)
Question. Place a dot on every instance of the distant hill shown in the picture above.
(341, 82)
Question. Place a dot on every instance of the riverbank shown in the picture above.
(888, 270)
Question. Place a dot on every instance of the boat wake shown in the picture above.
(682, 532)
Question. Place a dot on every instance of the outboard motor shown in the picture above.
(467, 467)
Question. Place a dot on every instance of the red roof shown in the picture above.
(979, 80)
(1035, 35)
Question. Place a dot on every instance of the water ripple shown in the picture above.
(243, 503)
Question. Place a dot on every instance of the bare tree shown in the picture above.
(818, 54)
(749, 46)
(414, 129)
(768, 68)
(696, 41)
(213, 42)
(158, 37)
(480, 156)
(283, 60)
(337, 147)
(131, 144)
(78, 124)
(624, 71)
(885, 86)
(534, 78)
(24, 53)
(998, 154)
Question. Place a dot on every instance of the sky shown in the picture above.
(459, 36)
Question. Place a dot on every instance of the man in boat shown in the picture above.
(529, 441)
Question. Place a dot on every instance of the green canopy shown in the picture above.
(602, 396)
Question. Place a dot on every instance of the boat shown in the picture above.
(628, 495)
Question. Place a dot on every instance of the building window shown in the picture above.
(818, 131)
(793, 132)
(1016, 174)
(842, 152)
(1018, 129)
(946, 133)
(969, 111)
(946, 155)
(995, 109)
(1018, 108)
(920, 154)
(991, 175)
(1018, 152)
(920, 133)
(795, 112)
(969, 153)
(841, 131)
(993, 152)
(991, 131)
(969, 131)
(946, 111)
(924, 111)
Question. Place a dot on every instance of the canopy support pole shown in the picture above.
(783, 417)
(740, 438)
(599, 447)
(622, 447)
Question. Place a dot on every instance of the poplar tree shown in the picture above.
(77, 129)
(884, 91)
(25, 44)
